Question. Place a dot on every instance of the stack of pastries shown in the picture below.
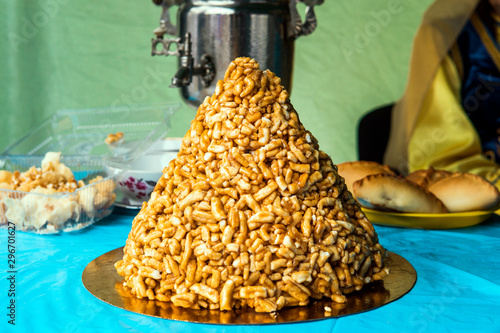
(423, 191)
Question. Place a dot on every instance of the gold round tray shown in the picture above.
(101, 280)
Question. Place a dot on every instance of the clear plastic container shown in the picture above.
(80, 136)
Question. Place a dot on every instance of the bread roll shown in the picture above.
(353, 171)
(463, 192)
(393, 193)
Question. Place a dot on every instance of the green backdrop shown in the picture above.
(66, 54)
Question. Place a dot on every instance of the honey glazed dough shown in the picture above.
(251, 213)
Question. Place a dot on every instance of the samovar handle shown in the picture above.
(299, 28)
(166, 26)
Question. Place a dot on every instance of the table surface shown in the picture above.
(458, 285)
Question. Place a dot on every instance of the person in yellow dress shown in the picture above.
(449, 115)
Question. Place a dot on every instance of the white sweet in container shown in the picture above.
(49, 199)
(62, 166)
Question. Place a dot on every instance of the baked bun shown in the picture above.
(463, 192)
(427, 177)
(392, 193)
(353, 171)
(418, 176)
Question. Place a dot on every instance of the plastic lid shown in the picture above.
(83, 133)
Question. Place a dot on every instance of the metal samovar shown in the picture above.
(209, 34)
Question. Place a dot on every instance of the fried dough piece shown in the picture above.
(393, 193)
(5, 176)
(356, 170)
(463, 192)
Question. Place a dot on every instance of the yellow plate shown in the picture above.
(427, 221)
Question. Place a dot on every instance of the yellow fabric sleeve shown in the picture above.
(441, 25)
(444, 137)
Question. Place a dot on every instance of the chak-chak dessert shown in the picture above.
(251, 213)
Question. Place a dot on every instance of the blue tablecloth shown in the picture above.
(458, 286)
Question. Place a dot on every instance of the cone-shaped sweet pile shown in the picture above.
(251, 212)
